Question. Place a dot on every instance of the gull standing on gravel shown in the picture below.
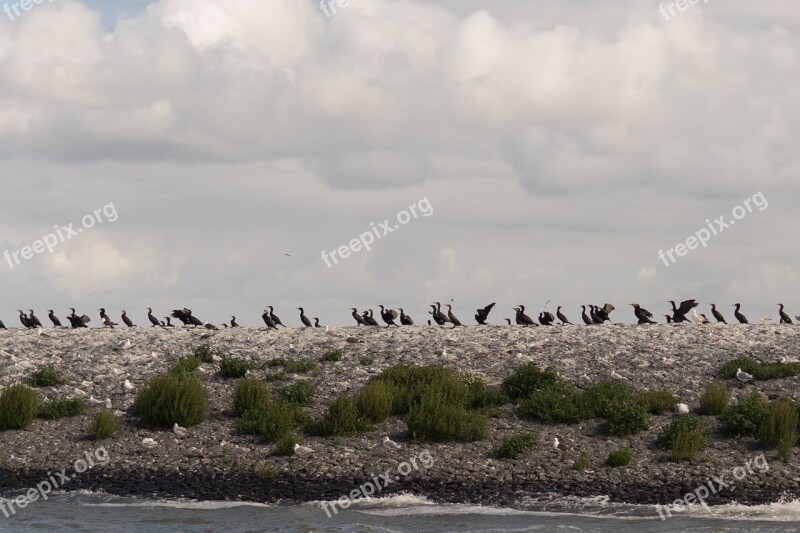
(179, 431)
(149, 443)
(302, 450)
(682, 409)
(124, 345)
(743, 376)
(390, 444)
(128, 386)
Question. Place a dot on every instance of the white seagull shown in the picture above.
(124, 345)
(128, 386)
(149, 443)
(108, 403)
(390, 444)
(698, 318)
(194, 452)
(743, 376)
(302, 450)
(179, 431)
(292, 349)
(682, 409)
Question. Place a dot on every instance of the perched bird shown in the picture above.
(316, 323)
(35, 323)
(124, 345)
(546, 318)
(268, 319)
(483, 314)
(153, 320)
(523, 319)
(128, 322)
(604, 313)
(23, 318)
(438, 317)
(784, 317)
(452, 318)
(303, 318)
(302, 450)
(167, 324)
(390, 444)
(149, 443)
(369, 319)
(562, 317)
(179, 431)
(699, 318)
(682, 409)
(644, 316)
(358, 318)
(275, 318)
(586, 320)
(717, 315)
(234, 324)
(195, 452)
(739, 316)
(105, 320)
(209, 325)
(679, 312)
(442, 318)
(405, 319)
(743, 376)
(127, 386)
(388, 316)
(669, 319)
(54, 319)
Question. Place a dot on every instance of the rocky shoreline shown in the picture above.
(678, 359)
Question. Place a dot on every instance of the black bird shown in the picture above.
(644, 316)
(669, 319)
(523, 319)
(105, 320)
(233, 322)
(24, 319)
(586, 320)
(168, 324)
(784, 317)
(153, 320)
(679, 313)
(181, 315)
(739, 316)
(443, 317)
(437, 317)
(369, 319)
(316, 323)
(452, 318)
(604, 312)
(388, 316)
(268, 320)
(483, 314)
(358, 318)
(562, 317)
(54, 319)
(275, 318)
(717, 314)
(303, 318)
(593, 313)
(78, 321)
(35, 323)
(546, 318)
(128, 321)
(2, 326)
(508, 321)
(193, 320)
(405, 319)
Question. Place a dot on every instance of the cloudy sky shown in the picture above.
(559, 143)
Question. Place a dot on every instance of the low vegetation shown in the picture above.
(760, 371)
(48, 376)
(333, 356)
(55, 409)
(715, 399)
(744, 419)
(779, 427)
(185, 365)
(516, 445)
(250, 394)
(233, 367)
(620, 457)
(300, 392)
(19, 405)
(105, 425)
(171, 398)
(205, 353)
(340, 419)
(684, 437)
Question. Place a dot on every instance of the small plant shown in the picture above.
(598, 400)
(366, 360)
(684, 437)
(185, 365)
(266, 473)
(48, 376)
(583, 462)
(55, 409)
(285, 445)
(374, 402)
(715, 400)
(233, 367)
(205, 353)
(275, 362)
(759, 371)
(657, 402)
(18, 407)
(333, 356)
(621, 457)
(437, 419)
(249, 394)
(299, 392)
(104, 426)
(271, 423)
(744, 419)
(516, 445)
(528, 379)
(340, 419)
(168, 399)
(779, 429)
(552, 405)
(299, 366)
(626, 418)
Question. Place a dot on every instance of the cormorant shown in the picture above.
(443, 317)
(128, 321)
(593, 313)
(739, 316)
(181, 315)
(699, 318)
(316, 323)
(78, 321)
(717, 314)
(405, 319)
(193, 320)
(2, 326)
(24, 319)
(669, 319)
(523, 319)
(209, 325)
(679, 313)
(452, 318)
(105, 320)
(508, 321)
(546, 318)
(168, 324)
(562, 317)
(275, 318)
(586, 320)
(604, 312)
(233, 322)
(33, 320)
(483, 314)
(54, 319)
(268, 320)
(784, 317)
(303, 318)
(644, 316)
(369, 319)
(436, 318)
(388, 316)
(153, 320)
(358, 318)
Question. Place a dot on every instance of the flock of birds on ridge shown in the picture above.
(594, 315)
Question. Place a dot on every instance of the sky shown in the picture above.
(551, 149)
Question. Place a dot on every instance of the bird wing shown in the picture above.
(687, 306)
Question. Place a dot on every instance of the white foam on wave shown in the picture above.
(785, 510)
(178, 504)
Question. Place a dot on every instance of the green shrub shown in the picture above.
(55, 409)
(744, 419)
(528, 379)
(18, 407)
(516, 445)
(284, 446)
(684, 437)
(374, 402)
(407, 385)
(437, 418)
(583, 462)
(657, 402)
(233, 367)
(759, 371)
(597, 400)
(299, 366)
(333, 356)
(552, 405)
(271, 422)
(621, 457)
(715, 400)
(185, 365)
(779, 429)
(366, 360)
(340, 419)
(104, 426)
(205, 353)
(626, 418)
(481, 395)
(249, 394)
(299, 392)
(170, 399)
(48, 376)
(275, 362)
